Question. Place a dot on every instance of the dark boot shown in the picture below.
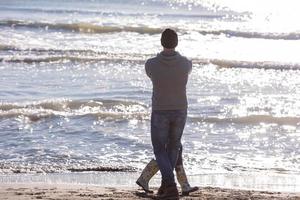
(161, 190)
(168, 193)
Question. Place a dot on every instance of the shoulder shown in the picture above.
(186, 61)
(150, 61)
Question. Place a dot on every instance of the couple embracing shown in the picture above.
(169, 73)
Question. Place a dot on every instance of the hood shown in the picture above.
(168, 59)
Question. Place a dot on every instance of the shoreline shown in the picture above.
(121, 185)
(272, 182)
(30, 191)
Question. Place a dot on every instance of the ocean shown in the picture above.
(74, 97)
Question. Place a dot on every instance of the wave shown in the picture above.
(103, 169)
(250, 34)
(7, 47)
(68, 11)
(251, 119)
(140, 59)
(255, 64)
(117, 110)
(76, 52)
(90, 56)
(19, 168)
(120, 14)
(37, 55)
(102, 109)
(81, 27)
(51, 59)
(84, 27)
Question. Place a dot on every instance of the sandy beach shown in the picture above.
(78, 192)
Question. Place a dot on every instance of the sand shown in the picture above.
(80, 192)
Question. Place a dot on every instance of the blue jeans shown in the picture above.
(166, 131)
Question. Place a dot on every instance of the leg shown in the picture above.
(175, 134)
(159, 136)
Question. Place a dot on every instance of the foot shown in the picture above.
(189, 190)
(144, 185)
(161, 190)
(168, 193)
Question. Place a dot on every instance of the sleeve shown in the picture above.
(147, 69)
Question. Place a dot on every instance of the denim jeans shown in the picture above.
(166, 131)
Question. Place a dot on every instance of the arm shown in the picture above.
(147, 69)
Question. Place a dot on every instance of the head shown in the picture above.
(169, 39)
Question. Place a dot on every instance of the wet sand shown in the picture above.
(79, 192)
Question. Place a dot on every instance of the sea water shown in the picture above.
(74, 96)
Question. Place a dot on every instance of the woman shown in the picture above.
(152, 168)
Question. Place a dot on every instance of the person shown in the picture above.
(152, 168)
(169, 73)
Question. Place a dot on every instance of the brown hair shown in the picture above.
(169, 39)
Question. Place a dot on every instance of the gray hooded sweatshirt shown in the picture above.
(169, 76)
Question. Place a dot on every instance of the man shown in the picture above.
(168, 72)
